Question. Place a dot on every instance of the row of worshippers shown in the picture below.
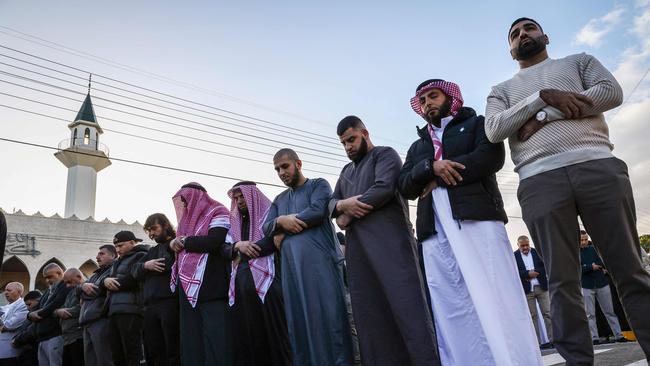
(265, 285)
(595, 284)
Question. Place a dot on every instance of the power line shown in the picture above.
(147, 127)
(330, 143)
(171, 96)
(152, 139)
(159, 166)
(283, 143)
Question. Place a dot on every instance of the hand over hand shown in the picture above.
(572, 105)
(533, 274)
(448, 171)
(89, 289)
(176, 245)
(112, 284)
(155, 265)
(291, 223)
(249, 248)
(353, 207)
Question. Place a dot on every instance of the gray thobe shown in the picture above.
(312, 278)
(386, 286)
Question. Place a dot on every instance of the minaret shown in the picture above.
(84, 156)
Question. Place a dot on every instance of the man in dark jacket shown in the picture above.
(25, 337)
(469, 266)
(125, 301)
(73, 347)
(161, 341)
(533, 278)
(595, 285)
(93, 319)
(48, 329)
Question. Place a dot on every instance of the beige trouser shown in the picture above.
(539, 295)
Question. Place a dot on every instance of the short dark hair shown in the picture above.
(286, 152)
(109, 248)
(32, 295)
(349, 122)
(523, 237)
(582, 232)
(521, 20)
(162, 220)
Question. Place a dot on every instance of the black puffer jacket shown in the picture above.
(93, 307)
(477, 197)
(128, 299)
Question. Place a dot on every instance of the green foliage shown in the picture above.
(645, 241)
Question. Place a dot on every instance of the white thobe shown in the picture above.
(480, 311)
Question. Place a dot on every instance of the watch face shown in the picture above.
(541, 116)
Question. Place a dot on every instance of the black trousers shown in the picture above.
(125, 334)
(161, 327)
(206, 337)
(73, 353)
(598, 191)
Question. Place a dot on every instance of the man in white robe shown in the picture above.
(480, 312)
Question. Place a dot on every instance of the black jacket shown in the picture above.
(52, 299)
(591, 279)
(93, 307)
(523, 272)
(128, 299)
(216, 278)
(155, 285)
(477, 197)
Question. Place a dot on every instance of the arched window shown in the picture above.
(74, 137)
(88, 268)
(87, 136)
(13, 269)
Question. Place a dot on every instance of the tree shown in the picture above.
(645, 241)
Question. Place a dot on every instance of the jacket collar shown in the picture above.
(463, 114)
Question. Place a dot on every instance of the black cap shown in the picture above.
(123, 236)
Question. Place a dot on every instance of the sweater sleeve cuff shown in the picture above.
(535, 103)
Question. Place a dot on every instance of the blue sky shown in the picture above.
(315, 61)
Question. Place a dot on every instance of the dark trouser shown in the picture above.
(161, 343)
(599, 192)
(13, 361)
(126, 338)
(205, 333)
(73, 353)
(97, 348)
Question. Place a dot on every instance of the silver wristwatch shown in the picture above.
(541, 117)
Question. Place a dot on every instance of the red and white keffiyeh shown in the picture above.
(450, 89)
(262, 269)
(201, 210)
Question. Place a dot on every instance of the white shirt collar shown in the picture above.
(443, 123)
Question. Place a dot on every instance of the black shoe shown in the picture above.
(548, 345)
(621, 340)
(596, 341)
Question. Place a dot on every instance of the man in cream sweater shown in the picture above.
(551, 112)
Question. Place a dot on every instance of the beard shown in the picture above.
(162, 238)
(530, 49)
(443, 111)
(295, 178)
(361, 153)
